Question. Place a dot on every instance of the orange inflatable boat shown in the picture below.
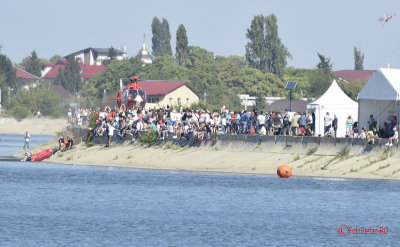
(42, 155)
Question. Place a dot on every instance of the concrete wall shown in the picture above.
(255, 143)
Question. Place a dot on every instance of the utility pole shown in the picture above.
(205, 97)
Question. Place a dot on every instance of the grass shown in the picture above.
(311, 151)
(386, 155)
(353, 170)
(396, 171)
(296, 158)
(383, 167)
(344, 154)
(129, 157)
(309, 161)
(173, 147)
(68, 158)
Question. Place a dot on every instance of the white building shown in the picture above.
(95, 56)
(144, 55)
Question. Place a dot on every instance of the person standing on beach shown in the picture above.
(334, 124)
(27, 140)
(327, 122)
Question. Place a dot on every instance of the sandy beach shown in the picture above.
(35, 126)
(370, 166)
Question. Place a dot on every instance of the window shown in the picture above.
(170, 100)
(153, 100)
(179, 101)
(187, 101)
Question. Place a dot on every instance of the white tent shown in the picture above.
(380, 97)
(336, 102)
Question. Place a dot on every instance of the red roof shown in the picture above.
(162, 87)
(88, 71)
(354, 75)
(22, 74)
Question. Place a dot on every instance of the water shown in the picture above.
(60, 205)
(10, 144)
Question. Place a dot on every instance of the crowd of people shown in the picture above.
(204, 124)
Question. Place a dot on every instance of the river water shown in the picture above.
(45, 204)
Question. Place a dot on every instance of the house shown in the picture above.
(95, 56)
(26, 79)
(88, 71)
(353, 75)
(163, 93)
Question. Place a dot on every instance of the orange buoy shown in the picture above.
(284, 171)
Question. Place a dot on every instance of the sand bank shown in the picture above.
(35, 126)
(246, 162)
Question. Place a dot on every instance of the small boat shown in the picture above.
(42, 155)
(9, 158)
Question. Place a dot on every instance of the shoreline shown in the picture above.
(217, 172)
(193, 160)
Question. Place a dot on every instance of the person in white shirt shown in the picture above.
(261, 120)
(27, 140)
(110, 131)
(395, 136)
(327, 122)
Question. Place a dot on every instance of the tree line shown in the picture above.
(262, 71)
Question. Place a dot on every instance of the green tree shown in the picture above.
(324, 62)
(108, 80)
(358, 59)
(320, 80)
(265, 50)
(182, 49)
(33, 65)
(301, 76)
(73, 81)
(352, 89)
(54, 59)
(112, 55)
(161, 37)
(60, 79)
(41, 98)
(8, 78)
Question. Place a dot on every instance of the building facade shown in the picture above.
(96, 56)
(172, 93)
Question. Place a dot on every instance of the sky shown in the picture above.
(306, 27)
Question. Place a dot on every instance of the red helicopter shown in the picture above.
(132, 96)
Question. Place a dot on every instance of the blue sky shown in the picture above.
(331, 28)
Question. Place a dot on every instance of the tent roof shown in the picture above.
(383, 85)
(334, 96)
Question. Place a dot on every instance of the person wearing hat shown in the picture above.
(392, 137)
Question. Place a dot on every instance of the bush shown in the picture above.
(92, 120)
(19, 112)
(149, 139)
(89, 144)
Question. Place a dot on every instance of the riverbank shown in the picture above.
(372, 166)
(35, 126)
